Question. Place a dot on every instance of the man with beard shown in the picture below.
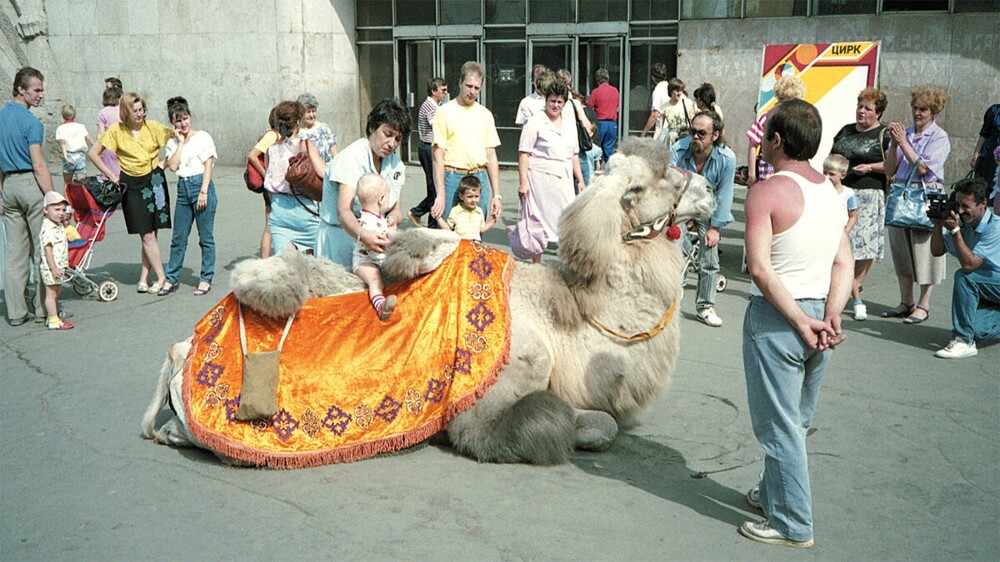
(705, 153)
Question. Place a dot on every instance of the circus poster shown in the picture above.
(833, 74)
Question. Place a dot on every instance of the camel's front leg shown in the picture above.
(519, 419)
(595, 430)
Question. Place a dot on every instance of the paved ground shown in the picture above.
(904, 458)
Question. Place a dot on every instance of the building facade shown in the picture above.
(234, 63)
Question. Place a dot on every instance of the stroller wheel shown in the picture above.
(108, 291)
(82, 287)
(721, 282)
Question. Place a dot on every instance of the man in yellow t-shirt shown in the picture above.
(465, 141)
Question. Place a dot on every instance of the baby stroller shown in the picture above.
(91, 221)
(692, 258)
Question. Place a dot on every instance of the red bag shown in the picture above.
(301, 174)
(251, 177)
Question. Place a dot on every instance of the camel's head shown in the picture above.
(638, 188)
(655, 189)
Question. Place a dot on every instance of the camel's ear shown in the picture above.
(633, 195)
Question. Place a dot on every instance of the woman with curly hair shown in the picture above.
(925, 146)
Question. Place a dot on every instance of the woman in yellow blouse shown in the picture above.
(146, 203)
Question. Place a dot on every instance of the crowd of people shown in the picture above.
(811, 238)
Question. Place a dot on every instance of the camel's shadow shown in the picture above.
(662, 471)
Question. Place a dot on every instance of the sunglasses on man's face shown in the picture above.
(700, 134)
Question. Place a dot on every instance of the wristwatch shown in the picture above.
(955, 230)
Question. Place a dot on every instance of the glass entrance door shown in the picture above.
(417, 60)
(607, 53)
(455, 53)
(421, 60)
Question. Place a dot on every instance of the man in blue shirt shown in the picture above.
(975, 297)
(704, 153)
(24, 181)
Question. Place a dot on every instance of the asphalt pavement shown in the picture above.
(904, 454)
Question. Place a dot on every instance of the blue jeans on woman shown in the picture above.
(783, 377)
(186, 212)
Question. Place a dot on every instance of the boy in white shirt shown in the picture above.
(74, 140)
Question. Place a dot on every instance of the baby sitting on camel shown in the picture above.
(372, 193)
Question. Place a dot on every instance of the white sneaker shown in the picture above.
(958, 349)
(708, 316)
(763, 532)
(860, 312)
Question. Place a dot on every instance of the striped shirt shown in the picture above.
(755, 134)
(425, 119)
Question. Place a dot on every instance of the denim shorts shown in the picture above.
(77, 164)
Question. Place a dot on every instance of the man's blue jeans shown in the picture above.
(185, 213)
(783, 377)
(975, 305)
(708, 267)
(451, 181)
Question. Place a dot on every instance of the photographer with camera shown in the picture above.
(975, 241)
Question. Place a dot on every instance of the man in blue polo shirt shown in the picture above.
(975, 241)
(704, 153)
(24, 181)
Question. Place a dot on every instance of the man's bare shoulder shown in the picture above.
(774, 189)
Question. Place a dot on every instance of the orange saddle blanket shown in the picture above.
(350, 385)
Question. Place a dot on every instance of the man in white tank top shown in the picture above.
(801, 266)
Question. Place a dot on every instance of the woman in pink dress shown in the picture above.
(109, 115)
(549, 162)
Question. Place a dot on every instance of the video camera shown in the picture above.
(940, 206)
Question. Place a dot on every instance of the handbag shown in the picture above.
(582, 134)
(527, 236)
(907, 204)
(106, 193)
(261, 370)
(251, 177)
(301, 174)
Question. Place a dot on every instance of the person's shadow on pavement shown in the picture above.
(662, 471)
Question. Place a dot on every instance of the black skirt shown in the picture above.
(146, 202)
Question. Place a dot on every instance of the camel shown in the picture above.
(594, 337)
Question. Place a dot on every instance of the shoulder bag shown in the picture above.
(906, 206)
(261, 371)
(582, 134)
(301, 174)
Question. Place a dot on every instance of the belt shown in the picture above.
(467, 172)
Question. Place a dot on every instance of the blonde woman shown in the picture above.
(146, 203)
(926, 147)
